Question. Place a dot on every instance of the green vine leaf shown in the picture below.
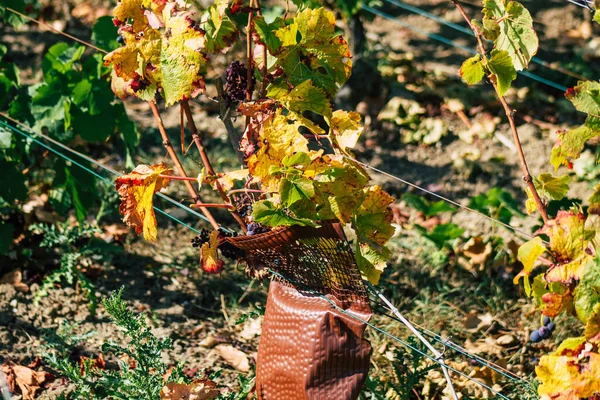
(552, 187)
(311, 50)
(587, 294)
(514, 32)
(267, 213)
(586, 97)
(370, 261)
(220, 30)
(502, 69)
(569, 145)
(302, 98)
(472, 70)
(373, 219)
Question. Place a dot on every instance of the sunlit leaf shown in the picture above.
(587, 294)
(374, 217)
(552, 187)
(501, 66)
(551, 298)
(528, 254)
(472, 70)
(586, 97)
(220, 30)
(346, 128)
(304, 97)
(370, 261)
(267, 213)
(209, 258)
(569, 374)
(569, 145)
(312, 50)
(137, 190)
(514, 33)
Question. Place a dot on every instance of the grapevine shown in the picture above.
(166, 52)
(570, 281)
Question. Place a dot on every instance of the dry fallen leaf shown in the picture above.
(28, 380)
(15, 278)
(475, 322)
(204, 389)
(234, 357)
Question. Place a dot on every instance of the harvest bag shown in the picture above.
(308, 348)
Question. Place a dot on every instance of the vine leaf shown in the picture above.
(137, 190)
(370, 261)
(278, 138)
(502, 69)
(303, 97)
(472, 70)
(568, 237)
(528, 254)
(587, 294)
(586, 97)
(592, 326)
(312, 50)
(573, 372)
(346, 128)
(220, 30)
(267, 213)
(373, 219)
(552, 187)
(227, 179)
(182, 60)
(552, 298)
(510, 26)
(209, 260)
(569, 146)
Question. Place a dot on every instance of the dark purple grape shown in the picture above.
(551, 327)
(546, 320)
(202, 238)
(120, 39)
(535, 337)
(544, 332)
(236, 80)
(230, 251)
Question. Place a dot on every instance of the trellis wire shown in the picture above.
(460, 28)
(450, 42)
(453, 346)
(384, 332)
(103, 179)
(439, 196)
(584, 4)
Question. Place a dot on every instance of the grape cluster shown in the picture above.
(235, 83)
(230, 251)
(544, 332)
(202, 238)
(255, 229)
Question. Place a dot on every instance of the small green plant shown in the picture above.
(141, 374)
(410, 369)
(76, 245)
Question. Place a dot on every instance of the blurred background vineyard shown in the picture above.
(63, 247)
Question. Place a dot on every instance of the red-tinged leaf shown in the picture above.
(137, 190)
(209, 257)
(569, 145)
(568, 237)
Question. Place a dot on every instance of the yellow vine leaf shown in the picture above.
(312, 36)
(528, 254)
(346, 128)
(183, 63)
(278, 138)
(374, 217)
(137, 190)
(571, 373)
(227, 180)
(568, 237)
(209, 260)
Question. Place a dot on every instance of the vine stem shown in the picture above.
(206, 161)
(178, 178)
(511, 121)
(249, 69)
(177, 163)
(225, 115)
(263, 89)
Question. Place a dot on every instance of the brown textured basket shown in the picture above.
(309, 349)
